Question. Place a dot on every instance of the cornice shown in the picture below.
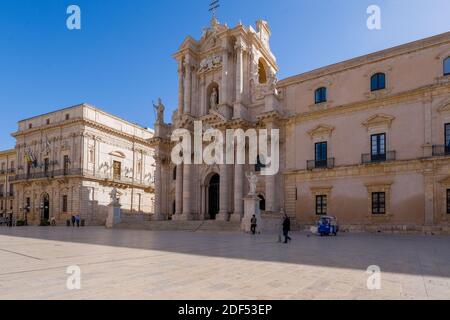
(367, 104)
(368, 59)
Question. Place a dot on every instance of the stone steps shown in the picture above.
(190, 226)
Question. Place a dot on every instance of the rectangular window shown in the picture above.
(67, 116)
(28, 205)
(64, 204)
(10, 205)
(11, 190)
(117, 170)
(1, 206)
(378, 147)
(378, 203)
(66, 164)
(46, 166)
(321, 205)
(12, 165)
(447, 138)
(321, 154)
(47, 122)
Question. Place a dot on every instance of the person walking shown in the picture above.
(10, 220)
(286, 229)
(254, 224)
(78, 219)
(73, 221)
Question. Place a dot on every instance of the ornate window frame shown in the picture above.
(321, 191)
(379, 187)
(324, 83)
(387, 70)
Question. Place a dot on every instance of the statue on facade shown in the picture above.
(253, 181)
(115, 196)
(160, 111)
(213, 99)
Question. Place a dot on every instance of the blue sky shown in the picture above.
(121, 59)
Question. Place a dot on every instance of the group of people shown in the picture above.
(285, 228)
(76, 220)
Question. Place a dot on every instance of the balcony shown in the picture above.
(379, 158)
(322, 164)
(11, 170)
(42, 174)
(45, 174)
(441, 151)
(2, 172)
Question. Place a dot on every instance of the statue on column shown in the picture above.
(253, 181)
(160, 111)
(115, 196)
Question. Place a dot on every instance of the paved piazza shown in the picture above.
(130, 264)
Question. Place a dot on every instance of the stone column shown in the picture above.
(179, 191)
(187, 87)
(158, 190)
(428, 133)
(238, 193)
(224, 90)
(203, 110)
(271, 194)
(429, 194)
(239, 70)
(224, 209)
(187, 201)
(180, 89)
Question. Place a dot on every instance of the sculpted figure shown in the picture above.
(160, 111)
(253, 181)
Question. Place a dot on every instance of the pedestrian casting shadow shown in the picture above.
(404, 254)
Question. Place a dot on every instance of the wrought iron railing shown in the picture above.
(441, 151)
(50, 174)
(376, 158)
(320, 164)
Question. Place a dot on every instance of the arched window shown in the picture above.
(262, 73)
(447, 66)
(378, 82)
(321, 95)
(262, 202)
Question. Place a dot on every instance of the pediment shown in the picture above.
(445, 181)
(379, 120)
(321, 130)
(188, 42)
(118, 154)
(444, 108)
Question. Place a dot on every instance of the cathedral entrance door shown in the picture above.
(214, 196)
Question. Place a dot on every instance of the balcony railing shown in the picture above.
(372, 158)
(35, 175)
(321, 164)
(441, 151)
(11, 170)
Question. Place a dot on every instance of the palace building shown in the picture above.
(366, 140)
(67, 163)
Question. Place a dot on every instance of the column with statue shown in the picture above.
(251, 206)
(114, 209)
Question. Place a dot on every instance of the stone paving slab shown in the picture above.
(132, 264)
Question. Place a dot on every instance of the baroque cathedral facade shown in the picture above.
(366, 140)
